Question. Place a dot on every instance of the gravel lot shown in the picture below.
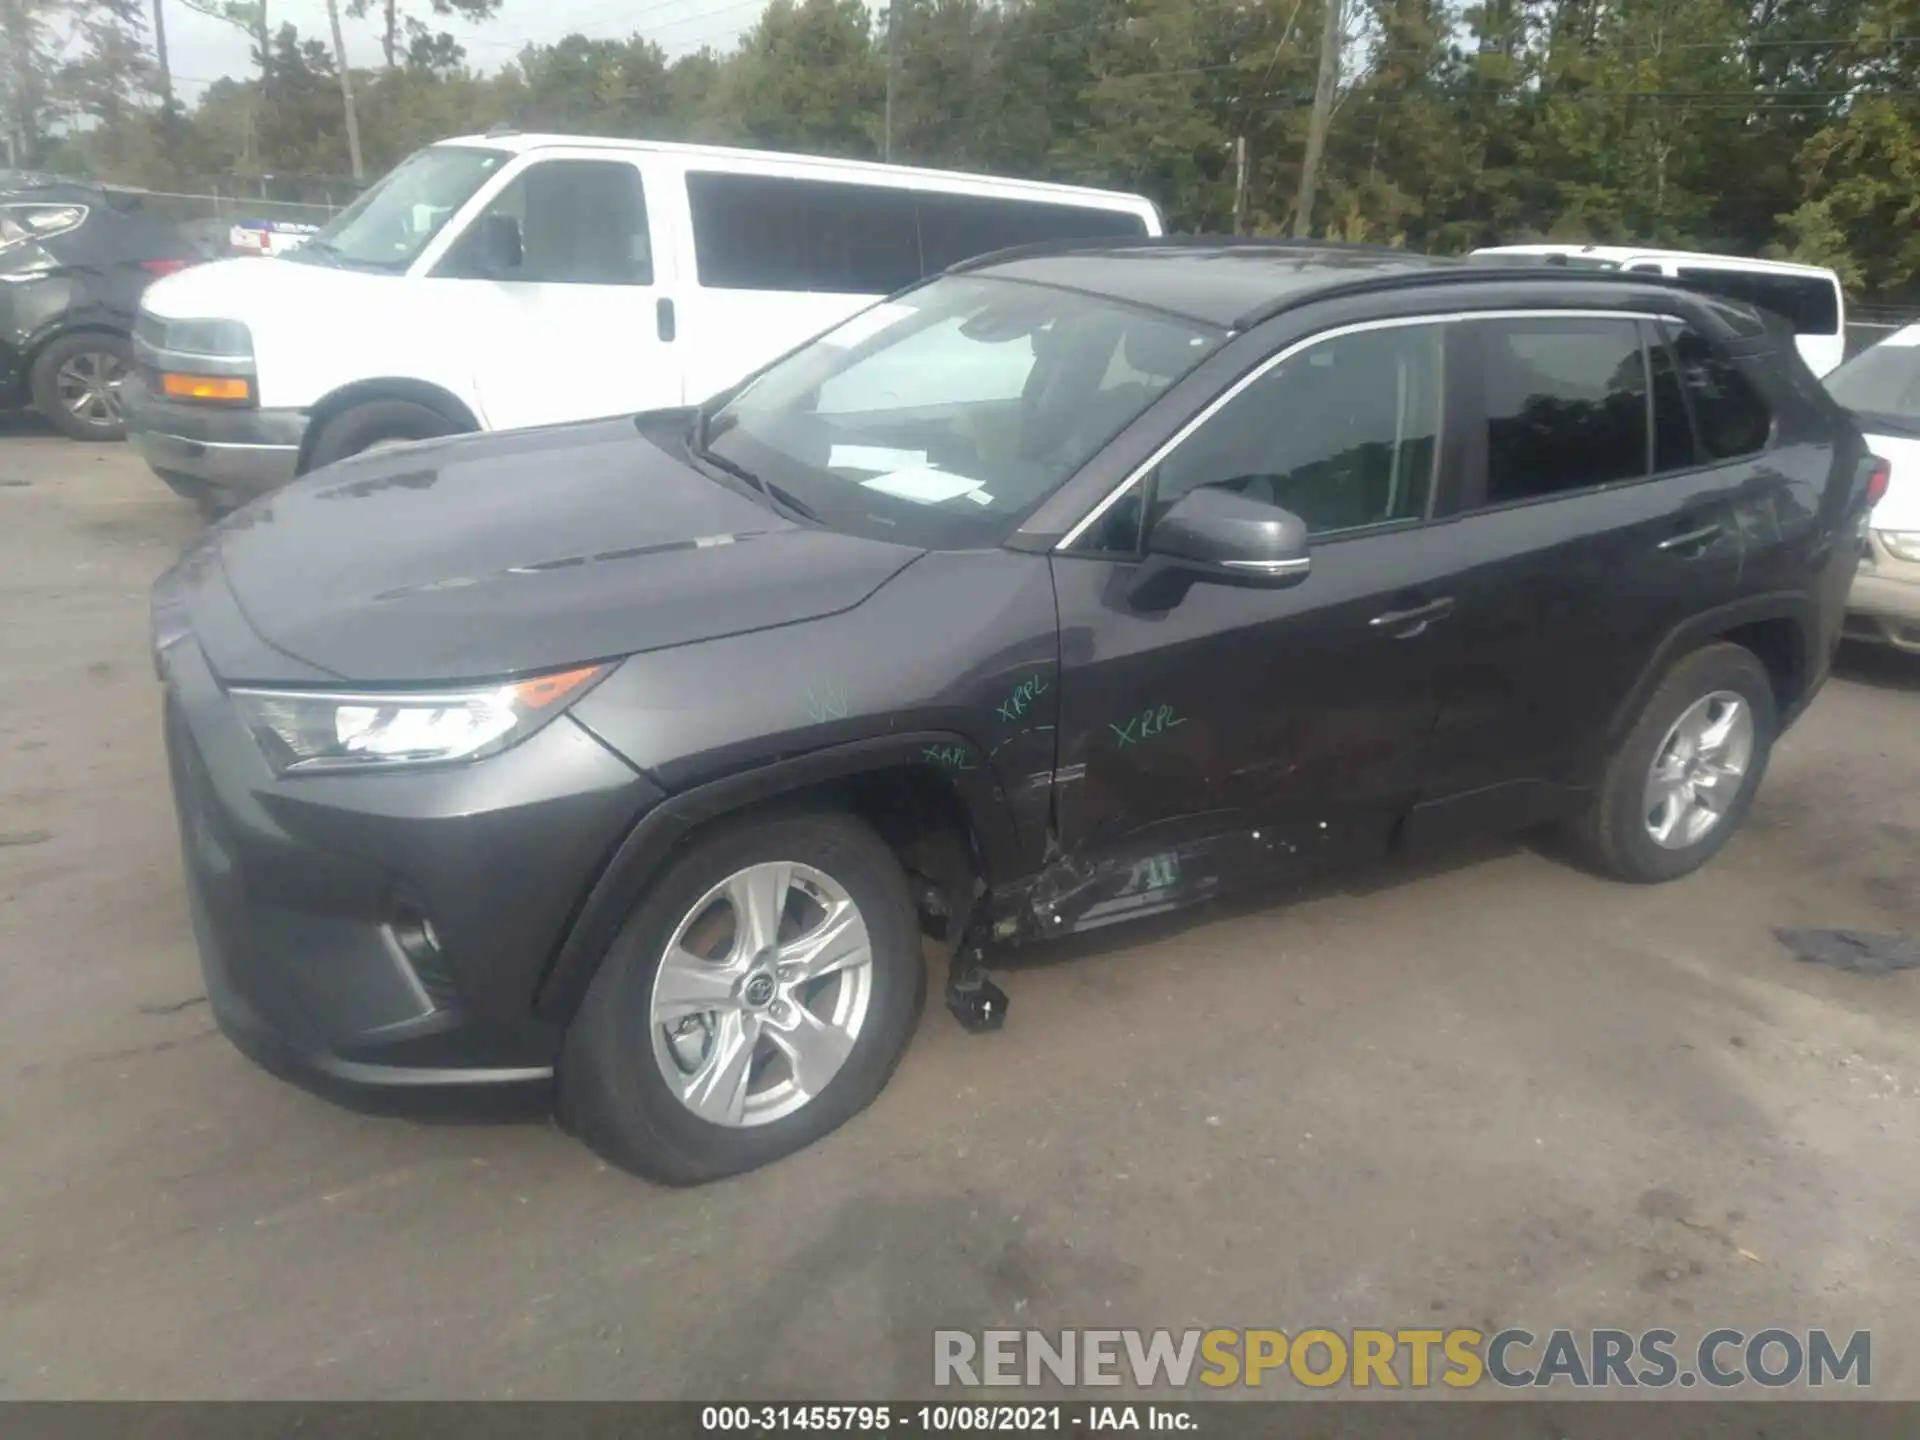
(1493, 1091)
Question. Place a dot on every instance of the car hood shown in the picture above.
(501, 554)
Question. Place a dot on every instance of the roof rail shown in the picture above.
(1276, 243)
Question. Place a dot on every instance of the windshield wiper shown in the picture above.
(780, 497)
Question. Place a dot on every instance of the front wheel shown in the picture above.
(372, 425)
(1682, 779)
(758, 998)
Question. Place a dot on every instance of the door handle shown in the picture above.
(663, 319)
(1416, 619)
(1687, 539)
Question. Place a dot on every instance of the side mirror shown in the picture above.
(1219, 535)
(496, 251)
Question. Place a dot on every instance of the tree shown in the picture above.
(422, 47)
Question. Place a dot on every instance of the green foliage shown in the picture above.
(1748, 126)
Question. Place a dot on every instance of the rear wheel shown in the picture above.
(76, 383)
(1681, 781)
(758, 998)
(373, 425)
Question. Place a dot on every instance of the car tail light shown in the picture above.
(164, 267)
(1879, 477)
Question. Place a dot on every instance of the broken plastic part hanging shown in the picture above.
(974, 1000)
(1854, 950)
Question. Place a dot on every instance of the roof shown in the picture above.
(517, 144)
(1621, 254)
(1216, 281)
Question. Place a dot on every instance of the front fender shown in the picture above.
(651, 844)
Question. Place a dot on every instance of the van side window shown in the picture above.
(958, 227)
(1809, 303)
(582, 222)
(769, 232)
(1565, 405)
(1733, 419)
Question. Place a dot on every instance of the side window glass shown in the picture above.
(1672, 426)
(581, 222)
(958, 227)
(765, 232)
(1346, 433)
(1732, 417)
(1565, 405)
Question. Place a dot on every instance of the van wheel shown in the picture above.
(76, 382)
(376, 422)
(755, 1000)
(1682, 779)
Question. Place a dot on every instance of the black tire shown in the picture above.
(361, 426)
(612, 1093)
(1610, 833)
(43, 382)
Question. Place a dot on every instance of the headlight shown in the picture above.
(1901, 544)
(303, 731)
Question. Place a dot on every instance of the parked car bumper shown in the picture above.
(1884, 604)
(379, 938)
(225, 456)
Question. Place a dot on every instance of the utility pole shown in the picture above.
(893, 70)
(1321, 118)
(166, 71)
(346, 87)
(1239, 184)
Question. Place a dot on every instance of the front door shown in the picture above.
(578, 329)
(1215, 733)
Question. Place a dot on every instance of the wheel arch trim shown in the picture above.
(649, 846)
(1800, 610)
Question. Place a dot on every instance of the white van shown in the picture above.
(1806, 296)
(498, 281)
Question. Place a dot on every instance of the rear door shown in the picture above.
(1592, 524)
(573, 332)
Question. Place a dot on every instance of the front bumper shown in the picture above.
(379, 938)
(205, 453)
(1884, 603)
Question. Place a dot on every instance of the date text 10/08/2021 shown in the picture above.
(942, 1419)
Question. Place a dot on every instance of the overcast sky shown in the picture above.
(202, 50)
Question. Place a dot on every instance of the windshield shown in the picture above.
(1882, 385)
(388, 227)
(938, 417)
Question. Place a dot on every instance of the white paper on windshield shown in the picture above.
(874, 457)
(867, 323)
(922, 483)
(980, 497)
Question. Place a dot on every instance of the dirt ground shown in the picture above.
(1490, 1092)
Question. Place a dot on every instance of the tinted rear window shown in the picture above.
(1809, 303)
(762, 232)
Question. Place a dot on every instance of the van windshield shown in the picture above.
(940, 416)
(388, 227)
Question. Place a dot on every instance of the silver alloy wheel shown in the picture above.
(1699, 770)
(88, 385)
(761, 994)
